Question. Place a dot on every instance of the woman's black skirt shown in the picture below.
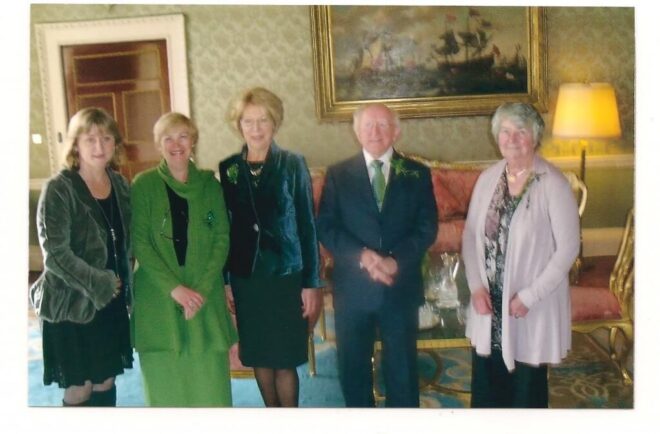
(272, 332)
(74, 353)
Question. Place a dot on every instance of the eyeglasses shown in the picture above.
(249, 123)
(381, 125)
(166, 216)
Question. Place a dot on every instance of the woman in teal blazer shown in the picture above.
(274, 259)
(181, 327)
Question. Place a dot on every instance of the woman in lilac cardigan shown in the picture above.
(520, 240)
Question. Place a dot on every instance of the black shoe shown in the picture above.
(105, 398)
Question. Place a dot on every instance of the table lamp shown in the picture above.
(585, 111)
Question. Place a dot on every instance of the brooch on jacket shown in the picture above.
(232, 173)
(533, 177)
(400, 168)
(210, 218)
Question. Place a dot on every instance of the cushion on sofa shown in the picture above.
(453, 189)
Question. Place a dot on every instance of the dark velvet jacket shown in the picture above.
(275, 219)
(72, 233)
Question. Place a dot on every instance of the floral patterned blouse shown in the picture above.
(498, 220)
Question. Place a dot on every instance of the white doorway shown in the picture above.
(52, 37)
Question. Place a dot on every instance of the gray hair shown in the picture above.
(357, 115)
(521, 114)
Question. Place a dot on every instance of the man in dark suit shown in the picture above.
(377, 217)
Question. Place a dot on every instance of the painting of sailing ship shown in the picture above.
(429, 53)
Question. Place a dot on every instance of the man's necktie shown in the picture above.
(378, 182)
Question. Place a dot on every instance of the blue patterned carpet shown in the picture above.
(583, 380)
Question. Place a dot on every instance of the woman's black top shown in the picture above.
(179, 212)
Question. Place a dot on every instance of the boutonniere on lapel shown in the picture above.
(210, 218)
(535, 176)
(232, 173)
(400, 168)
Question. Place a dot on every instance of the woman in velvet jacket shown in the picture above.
(273, 262)
(81, 297)
(180, 323)
(520, 239)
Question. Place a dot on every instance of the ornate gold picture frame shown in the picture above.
(427, 61)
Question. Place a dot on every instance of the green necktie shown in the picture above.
(378, 182)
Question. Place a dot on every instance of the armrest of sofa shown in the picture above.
(318, 181)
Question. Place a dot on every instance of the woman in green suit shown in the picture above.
(181, 327)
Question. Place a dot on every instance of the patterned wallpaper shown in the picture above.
(591, 45)
(233, 47)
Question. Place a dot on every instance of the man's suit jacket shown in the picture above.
(405, 227)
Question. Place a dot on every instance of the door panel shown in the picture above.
(128, 79)
(139, 105)
(105, 101)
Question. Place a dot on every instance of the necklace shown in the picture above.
(110, 223)
(255, 168)
(512, 177)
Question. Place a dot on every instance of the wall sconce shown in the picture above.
(585, 111)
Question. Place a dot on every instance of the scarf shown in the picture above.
(188, 190)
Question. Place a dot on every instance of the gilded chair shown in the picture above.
(609, 305)
(580, 190)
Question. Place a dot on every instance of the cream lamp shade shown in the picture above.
(586, 111)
